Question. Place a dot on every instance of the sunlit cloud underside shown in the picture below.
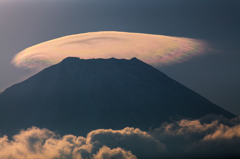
(156, 50)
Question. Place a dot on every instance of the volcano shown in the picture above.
(76, 96)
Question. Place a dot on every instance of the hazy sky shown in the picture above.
(215, 75)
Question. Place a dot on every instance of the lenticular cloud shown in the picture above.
(157, 50)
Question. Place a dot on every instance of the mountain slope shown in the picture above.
(77, 96)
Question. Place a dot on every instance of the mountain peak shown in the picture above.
(134, 58)
(70, 60)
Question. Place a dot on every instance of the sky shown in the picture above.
(214, 75)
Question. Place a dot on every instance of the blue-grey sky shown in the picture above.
(216, 75)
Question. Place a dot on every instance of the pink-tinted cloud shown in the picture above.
(157, 50)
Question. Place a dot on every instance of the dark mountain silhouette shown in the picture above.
(77, 96)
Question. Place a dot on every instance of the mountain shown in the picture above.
(76, 96)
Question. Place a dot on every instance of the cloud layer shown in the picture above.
(218, 137)
(153, 49)
(99, 144)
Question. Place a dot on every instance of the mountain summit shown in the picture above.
(76, 96)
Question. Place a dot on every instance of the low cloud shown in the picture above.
(102, 143)
(211, 136)
(107, 153)
(139, 142)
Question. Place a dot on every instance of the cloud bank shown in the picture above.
(153, 49)
(215, 138)
(99, 144)
(211, 136)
